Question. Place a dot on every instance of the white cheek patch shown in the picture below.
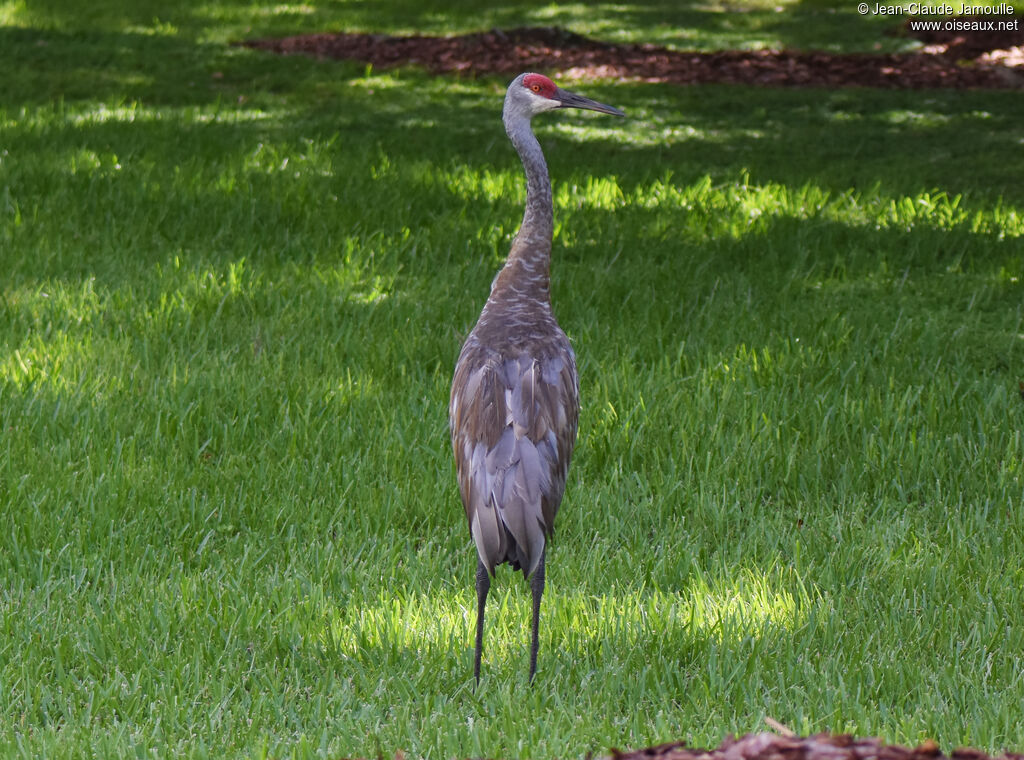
(540, 104)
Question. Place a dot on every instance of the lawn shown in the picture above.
(232, 291)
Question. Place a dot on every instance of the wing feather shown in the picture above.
(513, 426)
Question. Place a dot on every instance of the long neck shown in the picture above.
(529, 262)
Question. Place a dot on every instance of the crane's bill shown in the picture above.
(568, 99)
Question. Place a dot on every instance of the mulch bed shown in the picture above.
(768, 746)
(956, 60)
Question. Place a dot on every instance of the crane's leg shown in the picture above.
(537, 587)
(483, 585)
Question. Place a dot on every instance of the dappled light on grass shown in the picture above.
(732, 207)
(647, 127)
(724, 608)
(491, 185)
(919, 118)
(63, 365)
(747, 604)
(596, 193)
(400, 623)
(589, 631)
(12, 12)
(57, 352)
(377, 83)
(283, 9)
(582, 131)
(737, 208)
(717, 20)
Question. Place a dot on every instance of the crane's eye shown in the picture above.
(535, 88)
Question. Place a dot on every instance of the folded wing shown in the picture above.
(513, 425)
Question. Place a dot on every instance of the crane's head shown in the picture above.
(531, 94)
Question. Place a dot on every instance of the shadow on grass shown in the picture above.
(236, 184)
(384, 216)
(807, 25)
(903, 141)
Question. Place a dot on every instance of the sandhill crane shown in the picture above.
(515, 395)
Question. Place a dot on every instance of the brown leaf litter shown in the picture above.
(977, 60)
(768, 746)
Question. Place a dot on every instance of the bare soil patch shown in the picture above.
(955, 60)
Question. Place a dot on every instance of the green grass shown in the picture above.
(232, 290)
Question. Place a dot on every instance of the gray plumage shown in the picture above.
(515, 395)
